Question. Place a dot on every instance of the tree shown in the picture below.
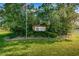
(59, 18)
(15, 18)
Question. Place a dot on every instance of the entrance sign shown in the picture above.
(39, 28)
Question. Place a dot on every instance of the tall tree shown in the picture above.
(15, 18)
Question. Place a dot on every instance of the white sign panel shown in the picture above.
(40, 28)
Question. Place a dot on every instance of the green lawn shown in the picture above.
(41, 47)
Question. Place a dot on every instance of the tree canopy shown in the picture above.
(14, 18)
(59, 18)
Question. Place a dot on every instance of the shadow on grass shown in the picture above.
(5, 36)
(68, 40)
(42, 41)
(3, 42)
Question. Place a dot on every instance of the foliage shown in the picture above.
(15, 18)
(59, 18)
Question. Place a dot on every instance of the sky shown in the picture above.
(1, 5)
(77, 10)
(36, 5)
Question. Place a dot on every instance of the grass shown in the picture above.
(42, 47)
(3, 34)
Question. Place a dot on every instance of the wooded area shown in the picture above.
(56, 17)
